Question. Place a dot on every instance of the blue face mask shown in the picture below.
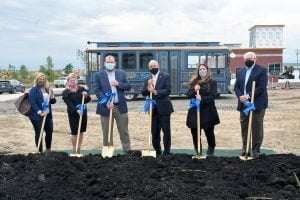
(110, 66)
(202, 73)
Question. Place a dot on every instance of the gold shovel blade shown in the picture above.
(78, 155)
(245, 158)
(107, 151)
(148, 153)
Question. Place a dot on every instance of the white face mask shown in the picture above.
(110, 66)
(202, 73)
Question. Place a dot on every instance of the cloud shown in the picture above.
(30, 30)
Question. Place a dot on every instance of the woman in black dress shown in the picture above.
(72, 96)
(207, 87)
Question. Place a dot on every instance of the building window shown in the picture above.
(145, 59)
(271, 35)
(274, 69)
(129, 61)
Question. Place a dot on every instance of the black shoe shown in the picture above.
(244, 154)
(166, 153)
(210, 151)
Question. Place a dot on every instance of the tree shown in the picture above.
(81, 55)
(23, 72)
(43, 69)
(68, 68)
(49, 68)
(11, 71)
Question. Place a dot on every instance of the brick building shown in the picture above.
(271, 58)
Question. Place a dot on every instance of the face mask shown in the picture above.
(249, 63)
(202, 73)
(110, 66)
(72, 84)
(41, 83)
(154, 71)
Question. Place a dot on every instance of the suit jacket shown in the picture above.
(208, 111)
(163, 87)
(259, 75)
(36, 99)
(102, 86)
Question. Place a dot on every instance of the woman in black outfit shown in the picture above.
(72, 96)
(41, 97)
(207, 87)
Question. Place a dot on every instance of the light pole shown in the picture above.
(297, 54)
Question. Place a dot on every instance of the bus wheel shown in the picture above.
(130, 97)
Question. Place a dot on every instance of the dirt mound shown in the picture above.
(58, 176)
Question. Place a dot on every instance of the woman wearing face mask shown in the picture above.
(41, 97)
(207, 87)
(72, 96)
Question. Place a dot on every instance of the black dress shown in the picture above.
(72, 99)
(208, 112)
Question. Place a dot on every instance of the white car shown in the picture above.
(60, 82)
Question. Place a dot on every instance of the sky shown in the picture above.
(31, 30)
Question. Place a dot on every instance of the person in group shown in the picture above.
(159, 84)
(202, 80)
(113, 81)
(72, 96)
(41, 97)
(243, 90)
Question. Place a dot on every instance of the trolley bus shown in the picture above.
(179, 59)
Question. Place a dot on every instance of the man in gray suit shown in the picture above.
(115, 81)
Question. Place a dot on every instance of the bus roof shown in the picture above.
(153, 44)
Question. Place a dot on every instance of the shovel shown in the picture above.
(77, 154)
(249, 134)
(108, 151)
(149, 152)
(42, 128)
(41, 133)
(199, 153)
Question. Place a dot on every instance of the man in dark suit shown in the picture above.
(160, 85)
(112, 80)
(243, 89)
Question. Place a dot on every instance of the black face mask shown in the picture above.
(154, 71)
(249, 63)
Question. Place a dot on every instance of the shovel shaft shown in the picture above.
(250, 123)
(79, 125)
(150, 123)
(199, 130)
(110, 124)
(41, 133)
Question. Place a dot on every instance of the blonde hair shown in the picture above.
(72, 75)
(39, 75)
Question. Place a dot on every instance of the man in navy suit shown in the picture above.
(243, 89)
(160, 85)
(112, 80)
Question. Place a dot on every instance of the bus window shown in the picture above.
(116, 56)
(129, 61)
(145, 59)
(221, 61)
(93, 62)
(195, 59)
(211, 61)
